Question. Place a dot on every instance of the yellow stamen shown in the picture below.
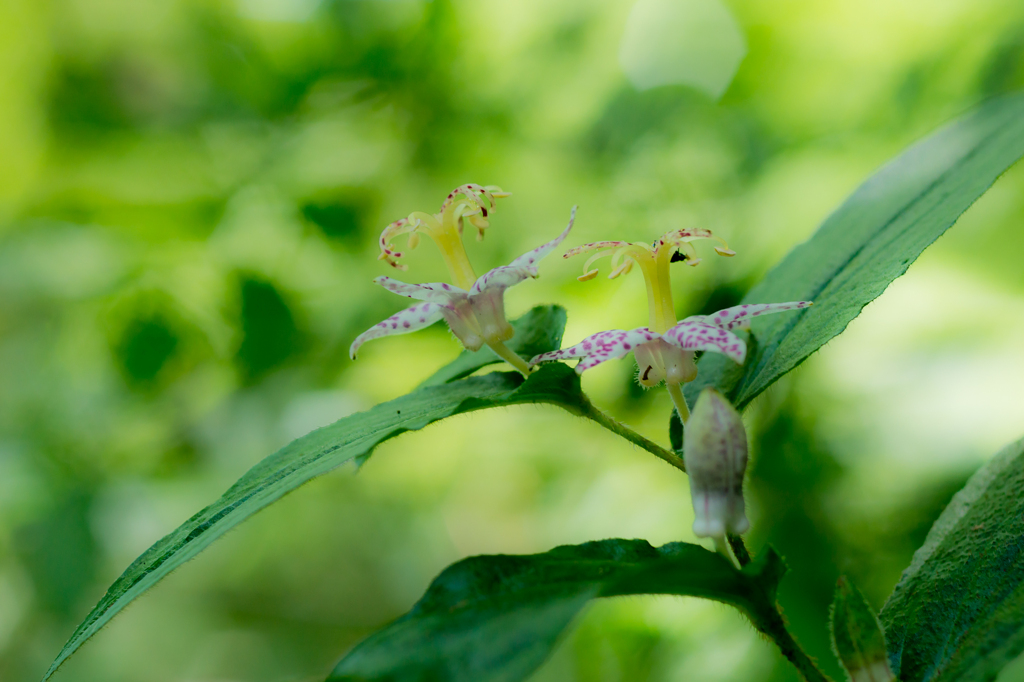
(449, 242)
(654, 261)
(471, 203)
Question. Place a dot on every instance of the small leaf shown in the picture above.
(857, 637)
(538, 331)
(350, 439)
(868, 242)
(958, 611)
(496, 618)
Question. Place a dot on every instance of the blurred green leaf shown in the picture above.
(270, 335)
(60, 552)
(144, 348)
(857, 637)
(536, 332)
(869, 241)
(350, 439)
(491, 618)
(958, 611)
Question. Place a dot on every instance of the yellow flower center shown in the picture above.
(446, 234)
(654, 266)
(654, 260)
(466, 204)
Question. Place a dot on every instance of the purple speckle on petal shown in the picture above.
(405, 324)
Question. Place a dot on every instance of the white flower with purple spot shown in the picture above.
(669, 357)
(476, 314)
(665, 351)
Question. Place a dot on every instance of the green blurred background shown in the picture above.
(190, 194)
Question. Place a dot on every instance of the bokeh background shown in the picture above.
(190, 193)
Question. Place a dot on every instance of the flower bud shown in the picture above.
(715, 451)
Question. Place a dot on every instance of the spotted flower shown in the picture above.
(475, 313)
(664, 351)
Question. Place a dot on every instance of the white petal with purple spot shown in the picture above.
(740, 316)
(436, 292)
(600, 347)
(530, 258)
(502, 278)
(409, 320)
(693, 334)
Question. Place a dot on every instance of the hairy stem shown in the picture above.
(739, 549)
(774, 625)
(722, 547)
(590, 411)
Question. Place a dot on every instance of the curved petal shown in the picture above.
(521, 268)
(601, 347)
(740, 316)
(501, 278)
(436, 292)
(409, 320)
(530, 258)
(698, 335)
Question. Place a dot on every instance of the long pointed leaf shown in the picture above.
(350, 439)
(496, 618)
(869, 241)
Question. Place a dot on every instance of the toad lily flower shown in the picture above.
(665, 350)
(475, 313)
(467, 203)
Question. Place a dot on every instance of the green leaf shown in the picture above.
(350, 439)
(857, 637)
(536, 332)
(958, 611)
(868, 242)
(496, 618)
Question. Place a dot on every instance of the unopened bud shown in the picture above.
(715, 451)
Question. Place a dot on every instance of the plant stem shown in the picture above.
(773, 625)
(590, 411)
(506, 354)
(676, 392)
(722, 547)
(769, 620)
(739, 549)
